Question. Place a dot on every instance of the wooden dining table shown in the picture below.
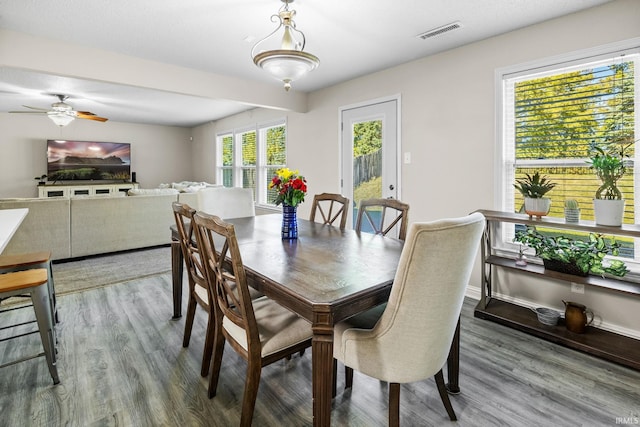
(325, 276)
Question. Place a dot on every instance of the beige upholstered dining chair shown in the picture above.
(198, 286)
(376, 211)
(226, 202)
(261, 331)
(330, 206)
(410, 340)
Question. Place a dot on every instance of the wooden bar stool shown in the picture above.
(28, 261)
(35, 283)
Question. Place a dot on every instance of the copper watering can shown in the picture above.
(577, 317)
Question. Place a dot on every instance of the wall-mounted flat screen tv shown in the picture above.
(88, 161)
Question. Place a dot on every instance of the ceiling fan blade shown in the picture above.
(36, 108)
(30, 112)
(89, 116)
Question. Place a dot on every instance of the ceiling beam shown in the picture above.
(23, 51)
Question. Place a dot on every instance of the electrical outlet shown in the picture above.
(577, 288)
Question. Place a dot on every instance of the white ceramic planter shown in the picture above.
(608, 212)
(537, 207)
(572, 215)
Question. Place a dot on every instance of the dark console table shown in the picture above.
(608, 345)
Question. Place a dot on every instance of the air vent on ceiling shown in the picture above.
(440, 30)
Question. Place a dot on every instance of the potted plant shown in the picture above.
(41, 179)
(573, 256)
(571, 210)
(533, 188)
(608, 162)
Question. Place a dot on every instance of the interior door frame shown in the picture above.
(341, 110)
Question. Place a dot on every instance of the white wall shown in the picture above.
(158, 153)
(448, 125)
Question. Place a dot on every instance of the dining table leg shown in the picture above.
(322, 368)
(177, 266)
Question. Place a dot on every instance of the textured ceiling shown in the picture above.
(351, 38)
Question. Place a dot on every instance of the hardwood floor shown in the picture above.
(121, 363)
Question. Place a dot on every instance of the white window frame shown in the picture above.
(505, 150)
(262, 179)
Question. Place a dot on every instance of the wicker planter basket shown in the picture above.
(563, 267)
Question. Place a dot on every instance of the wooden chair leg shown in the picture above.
(444, 395)
(250, 392)
(348, 377)
(208, 347)
(394, 405)
(216, 362)
(334, 383)
(188, 324)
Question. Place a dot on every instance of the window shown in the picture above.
(549, 115)
(249, 157)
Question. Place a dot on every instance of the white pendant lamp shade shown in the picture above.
(289, 62)
(62, 113)
(60, 119)
(286, 65)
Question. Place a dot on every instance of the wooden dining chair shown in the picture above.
(330, 206)
(375, 212)
(198, 285)
(409, 339)
(261, 331)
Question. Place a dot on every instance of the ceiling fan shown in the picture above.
(62, 113)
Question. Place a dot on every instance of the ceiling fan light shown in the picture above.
(61, 119)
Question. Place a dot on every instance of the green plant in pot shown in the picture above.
(608, 162)
(573, 256)
(533, 188)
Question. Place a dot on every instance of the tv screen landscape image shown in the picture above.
(88, 161)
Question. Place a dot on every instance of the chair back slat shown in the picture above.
(379, 223)
(325, 203)
(183, 214)
(226, 274)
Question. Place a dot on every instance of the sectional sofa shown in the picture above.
(83, 226)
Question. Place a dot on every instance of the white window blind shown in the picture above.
(552, 119)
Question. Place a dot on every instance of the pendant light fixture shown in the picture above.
(288, 62)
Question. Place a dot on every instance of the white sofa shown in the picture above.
(78, 227)
(47, 227)
(102, 225)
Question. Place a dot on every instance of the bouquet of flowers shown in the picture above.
(291, 187)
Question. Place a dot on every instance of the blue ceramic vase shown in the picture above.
(289, 222)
